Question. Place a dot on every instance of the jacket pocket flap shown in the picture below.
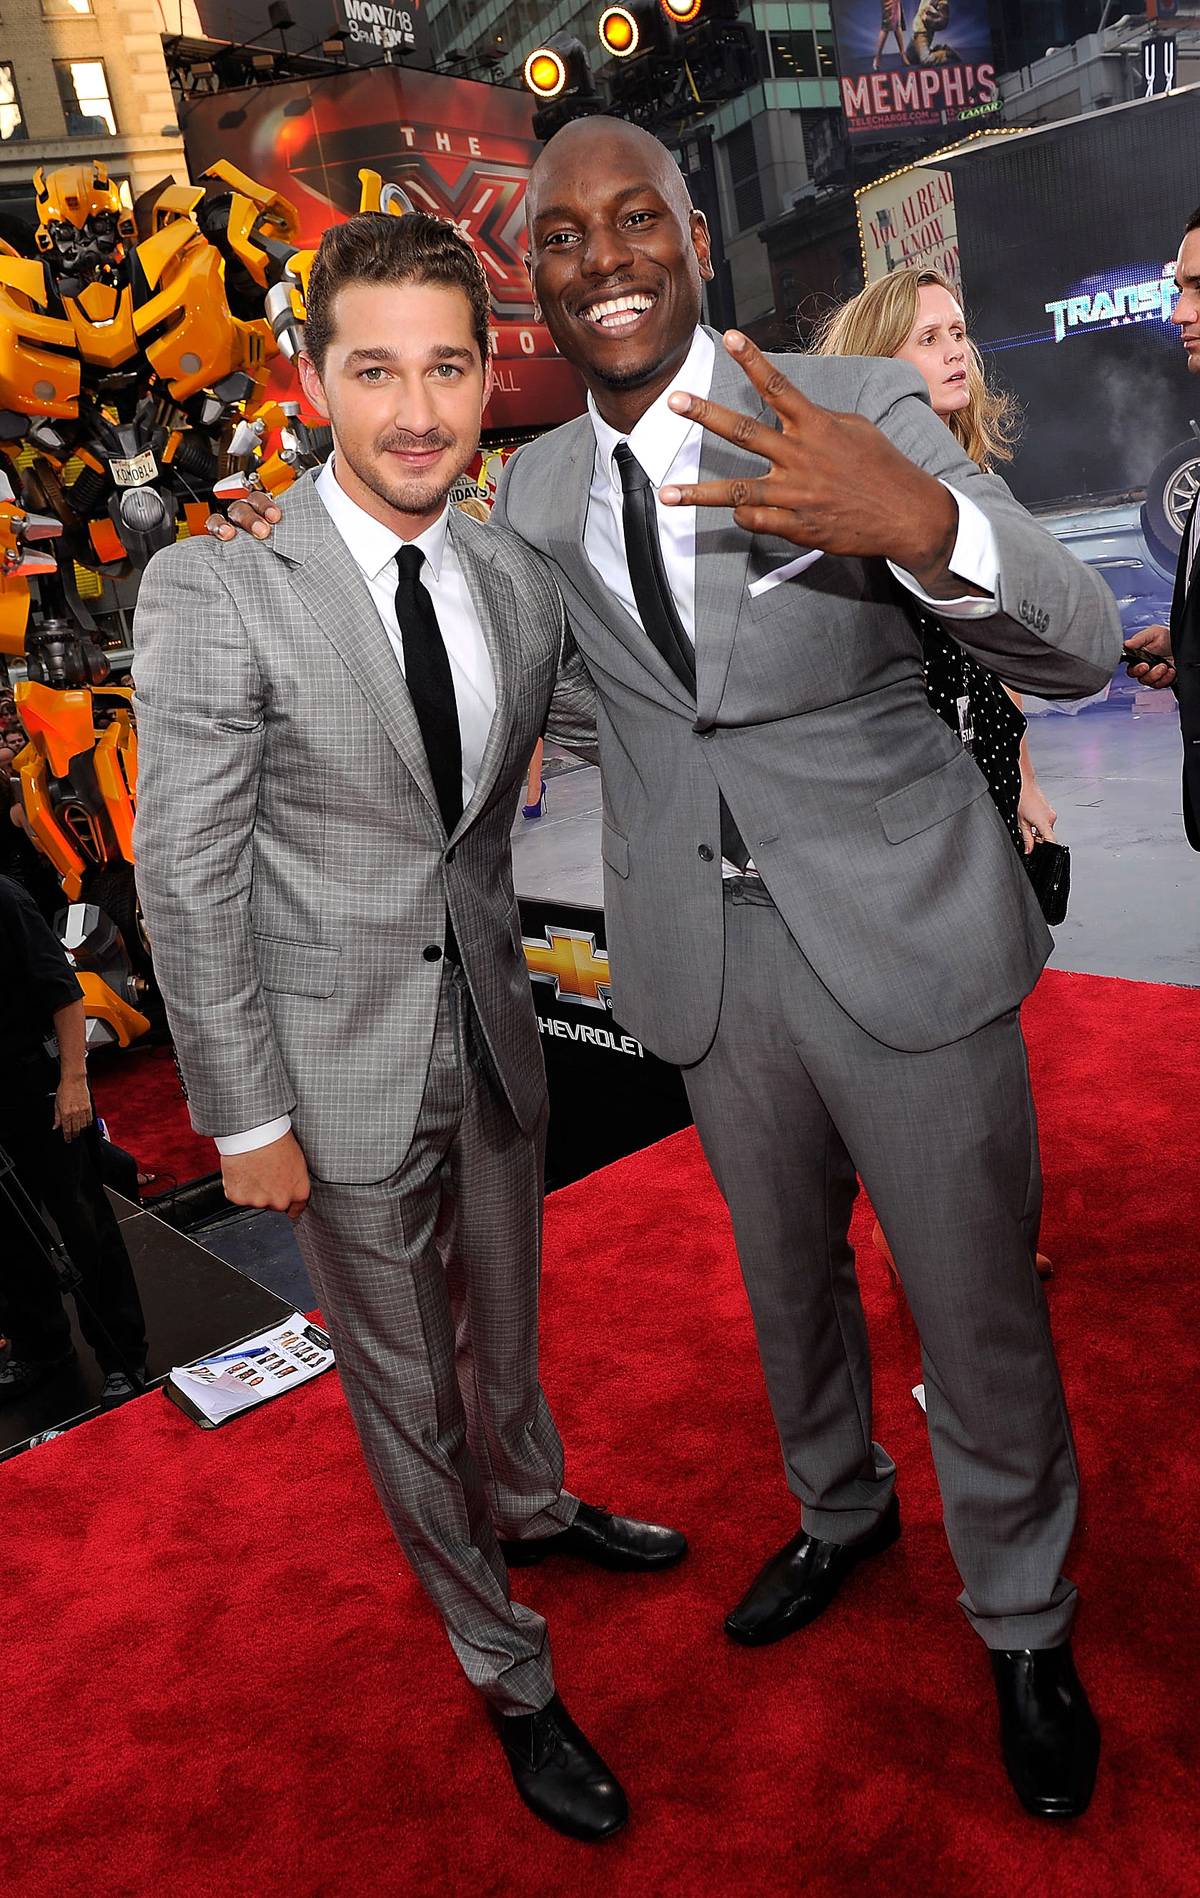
(918, 806)
(614, 849)
(296, 968)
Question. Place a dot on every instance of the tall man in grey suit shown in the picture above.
(812, 905)
(811, 902)
(333, 734)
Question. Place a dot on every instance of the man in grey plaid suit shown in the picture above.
(333, 732)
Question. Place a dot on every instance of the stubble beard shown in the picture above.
(412, 497)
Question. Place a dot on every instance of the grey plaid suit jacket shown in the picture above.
(291, 859)
(869, 823)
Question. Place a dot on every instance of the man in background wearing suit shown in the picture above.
(811, 903)
(1172, 654)
(333, 736)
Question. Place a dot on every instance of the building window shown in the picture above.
(12, 125)
(742, 160)
(83, 89)
(793, 56)
(63, 9)
(826, 56)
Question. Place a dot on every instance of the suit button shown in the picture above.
(431, 952)
(704, 852)
(450, 854)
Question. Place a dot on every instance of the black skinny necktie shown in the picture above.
(643, 551)
(430, 685)
(656, 603)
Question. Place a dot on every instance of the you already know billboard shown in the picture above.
(914, 65)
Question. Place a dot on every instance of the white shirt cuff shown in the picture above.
(975, 558)
(255, 1136)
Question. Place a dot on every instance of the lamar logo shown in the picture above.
(570, 960)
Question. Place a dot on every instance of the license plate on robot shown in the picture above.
(135, 472)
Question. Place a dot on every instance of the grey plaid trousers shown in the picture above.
(429, 1285)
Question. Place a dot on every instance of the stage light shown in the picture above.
(559, 76)
(681, 12)
(545, 72)
(619, 32)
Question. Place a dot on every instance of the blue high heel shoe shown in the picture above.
(531, 811)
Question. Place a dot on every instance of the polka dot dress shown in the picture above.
(976, 707)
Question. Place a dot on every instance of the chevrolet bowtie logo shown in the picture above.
(570, 959)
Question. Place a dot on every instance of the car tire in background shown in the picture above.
(1170, 491)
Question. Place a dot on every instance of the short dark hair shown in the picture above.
(1193, 223)
(376, 247)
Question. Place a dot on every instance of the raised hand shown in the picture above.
(833, 481)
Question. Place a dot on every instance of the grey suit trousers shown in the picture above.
(429, 1285)
(791, 1099)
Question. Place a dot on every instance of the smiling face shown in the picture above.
(404, 390)
(937, 346)
(1186, 314)
(618, 258)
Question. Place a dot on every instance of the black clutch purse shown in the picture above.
(1048, 867)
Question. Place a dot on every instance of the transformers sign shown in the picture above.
(909, 65)
(1107, 301)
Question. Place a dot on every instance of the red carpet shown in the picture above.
(220, 1680)
(141, 1103)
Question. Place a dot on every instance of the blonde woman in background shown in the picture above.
(915, 316)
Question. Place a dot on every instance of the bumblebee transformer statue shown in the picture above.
(134, 359)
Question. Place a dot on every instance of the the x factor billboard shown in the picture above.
(457, 148)
(913, 66)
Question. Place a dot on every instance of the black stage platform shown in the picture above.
(194, 1303)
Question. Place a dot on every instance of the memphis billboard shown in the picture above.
(914, 66)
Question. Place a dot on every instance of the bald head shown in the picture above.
(618, 258)
(608, 145)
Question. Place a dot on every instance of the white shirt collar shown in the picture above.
(370, 542)
(658, 436)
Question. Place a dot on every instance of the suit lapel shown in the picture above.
(722, 549)
(328, 583)
(568, 490)
(496, 604)
(1185, 579)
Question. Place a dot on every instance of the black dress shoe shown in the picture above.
(613, 1542)
(799, 1583)
(1048, 1732)
(559, 1774)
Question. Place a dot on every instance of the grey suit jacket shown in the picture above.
(291, 858)
(869, 823)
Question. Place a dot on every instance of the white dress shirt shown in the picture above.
(668, 446)
(374, 548)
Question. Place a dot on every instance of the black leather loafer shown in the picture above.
(799, 1583)
(1048, 1732)
(559, 1774)
(612, 1542)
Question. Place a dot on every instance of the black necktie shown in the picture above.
(656, 603)
(430, 685)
